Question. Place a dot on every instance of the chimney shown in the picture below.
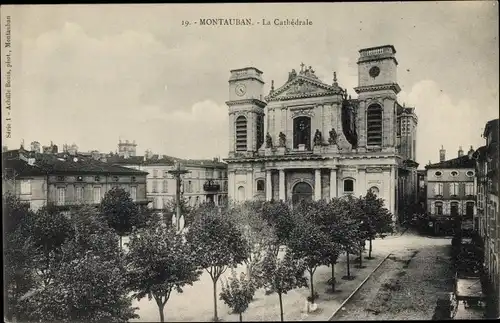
(442, 154)
(471, 151)
(460, 151)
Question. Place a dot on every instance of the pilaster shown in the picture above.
(230, 184)
(269, 186)
(282, 189)
(333, 183)
(361, 182)
(250, 185)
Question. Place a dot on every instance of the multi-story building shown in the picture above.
(65, 181)
(487, 222)
(422, 189)
(307, 139)
(451, 193)
(205, 180)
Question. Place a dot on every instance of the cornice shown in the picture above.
(379, 87)
(257, 102)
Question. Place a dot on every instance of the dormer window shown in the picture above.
(115, 178)
(97, 178)
(454, 173)
(438, 174)
(79, 178)
(469, 173)
(60, 178)
(133, 179)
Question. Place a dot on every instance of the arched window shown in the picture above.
(241, 133)
(348, 186)
(374, 125)
(375, 190)
(260, 185)
(302, 132)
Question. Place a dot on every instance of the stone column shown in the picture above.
(333, 183)
(282, 192)
(269, 186)
(317, 184)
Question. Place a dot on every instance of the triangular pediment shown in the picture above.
(303, 87)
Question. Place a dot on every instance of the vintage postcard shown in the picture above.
(250, 161)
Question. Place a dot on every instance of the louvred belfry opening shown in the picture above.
(374, 125)
(241, 133)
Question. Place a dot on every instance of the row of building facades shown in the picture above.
(464, 190)
(70, 177)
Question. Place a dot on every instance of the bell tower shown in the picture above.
(246, 111)
(377, 94)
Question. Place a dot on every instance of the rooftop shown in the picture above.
(459, 162)
(31, 163)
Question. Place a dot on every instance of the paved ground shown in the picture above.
(196, 303)
(407, 284)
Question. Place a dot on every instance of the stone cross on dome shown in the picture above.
(302, 67)
(335, 78)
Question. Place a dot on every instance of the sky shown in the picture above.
(94, 74)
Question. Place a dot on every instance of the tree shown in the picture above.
(159, 261)
(18, 254)
(217, 244)
(347, 210)
(49, 230)
(307, 241)
(279, 216)
(237, 293)
(282, 275)
(330, 222)
(258, 234)
(377, 218)
(87, 277)
(121, 212)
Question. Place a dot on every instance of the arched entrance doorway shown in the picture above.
(301, 191)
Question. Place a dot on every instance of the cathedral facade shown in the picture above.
(308, 140)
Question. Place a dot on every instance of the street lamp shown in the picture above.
(177, 172)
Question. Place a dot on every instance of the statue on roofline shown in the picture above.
(269, 141)
(318, 138)
(333, 137)
(282, 139)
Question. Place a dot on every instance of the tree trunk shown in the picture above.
(348, 265)
(121, 247)
(215, 301)
(241, 317)
(370, 249)
(162, 315)
(281, 307)
(311, 274)
(333, 276)
(360, 257)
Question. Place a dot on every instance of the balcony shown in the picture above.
(211, 186)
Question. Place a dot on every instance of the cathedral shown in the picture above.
(309, 140)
